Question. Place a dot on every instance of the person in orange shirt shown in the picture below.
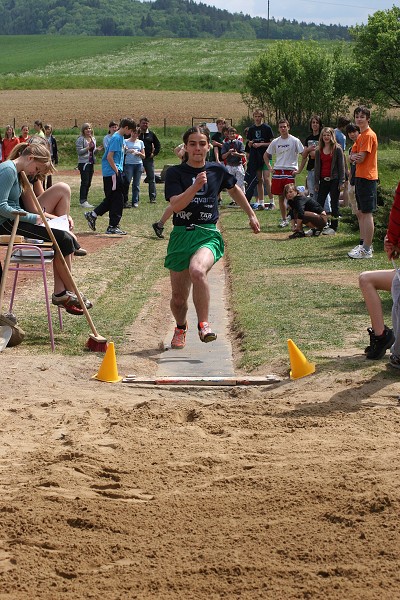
(364, 155)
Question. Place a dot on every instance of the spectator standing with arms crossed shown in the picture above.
(152, 147)
(195, 244)
(364, 155)
(286, 149)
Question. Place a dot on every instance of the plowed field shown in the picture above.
(63, 107)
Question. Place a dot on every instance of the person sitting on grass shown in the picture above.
(305, 211)
(34, 159)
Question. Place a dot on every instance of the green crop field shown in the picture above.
(61, 62)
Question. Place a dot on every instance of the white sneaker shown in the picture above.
(361, 252)
(86, 204)
(328, 231)
(354, 250)
(309, 232)
(284, 223)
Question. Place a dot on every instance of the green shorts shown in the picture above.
(265, 167)
(183, 244)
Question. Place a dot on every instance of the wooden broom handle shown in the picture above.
(8, 255)
(28, 189)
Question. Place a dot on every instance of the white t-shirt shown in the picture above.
(287, 152)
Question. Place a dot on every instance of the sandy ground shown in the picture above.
(123, 491)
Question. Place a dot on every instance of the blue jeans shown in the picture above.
(148, 164)
(133, 173)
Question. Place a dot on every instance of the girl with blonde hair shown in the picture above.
(34, 159)
(329, 174)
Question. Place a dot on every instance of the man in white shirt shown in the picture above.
(286, 149)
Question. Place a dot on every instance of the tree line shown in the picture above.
(162, 18)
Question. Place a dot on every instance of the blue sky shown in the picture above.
(344, 12)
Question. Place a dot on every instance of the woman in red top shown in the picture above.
(329, 173)
(24, 133)
(9, 141)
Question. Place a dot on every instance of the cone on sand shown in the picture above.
(108, 371)
(299, 365)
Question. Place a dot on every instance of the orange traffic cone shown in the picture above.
(108, 371)
(300, 367)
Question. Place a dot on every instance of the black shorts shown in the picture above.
(366, 194)
(64, 239)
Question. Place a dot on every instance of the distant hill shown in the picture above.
(162, 18)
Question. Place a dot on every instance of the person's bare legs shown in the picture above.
(200, 263)
(267, 183)
(370, 282)
(180, 287)
(61, 280)
(260, 187)
(57, 199)
(367, 227)
(181, 282)
(282, 207)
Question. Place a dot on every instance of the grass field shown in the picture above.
(306, 289)
(54, 62)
